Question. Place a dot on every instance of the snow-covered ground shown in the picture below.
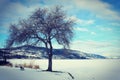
(99, 69)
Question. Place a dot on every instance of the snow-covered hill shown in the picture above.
(28, 51)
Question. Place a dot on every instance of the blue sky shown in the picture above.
(97, 26)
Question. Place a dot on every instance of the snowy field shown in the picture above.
(101, 69)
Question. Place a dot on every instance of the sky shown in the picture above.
(97, 22)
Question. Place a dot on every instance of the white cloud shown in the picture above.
(101, 9)
(20, 10)
(98, 7)
(93, 33)
(90, 22)
(105, 29)
(15, 11)
(116, 24)
(81, 29)
(81, 21)
(84, 30)
(104, 48)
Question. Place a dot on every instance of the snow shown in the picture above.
(96, 69)
(29, 74)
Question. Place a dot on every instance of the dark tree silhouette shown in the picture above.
(44, 25)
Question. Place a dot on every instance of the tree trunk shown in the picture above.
(49, 63)
(4, 56)
(50, 57)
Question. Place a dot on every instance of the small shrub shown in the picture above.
(16, 65)
(30, 66)
(36, 67)
(25, 65)
(9, 65)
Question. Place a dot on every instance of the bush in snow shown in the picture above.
(9, 65)
(36, 67)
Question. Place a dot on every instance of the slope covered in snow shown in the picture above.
(28, 51)
(105, 69)
(7, 73)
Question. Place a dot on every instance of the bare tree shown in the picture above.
(46, 26)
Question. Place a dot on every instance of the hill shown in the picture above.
(28, 51)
